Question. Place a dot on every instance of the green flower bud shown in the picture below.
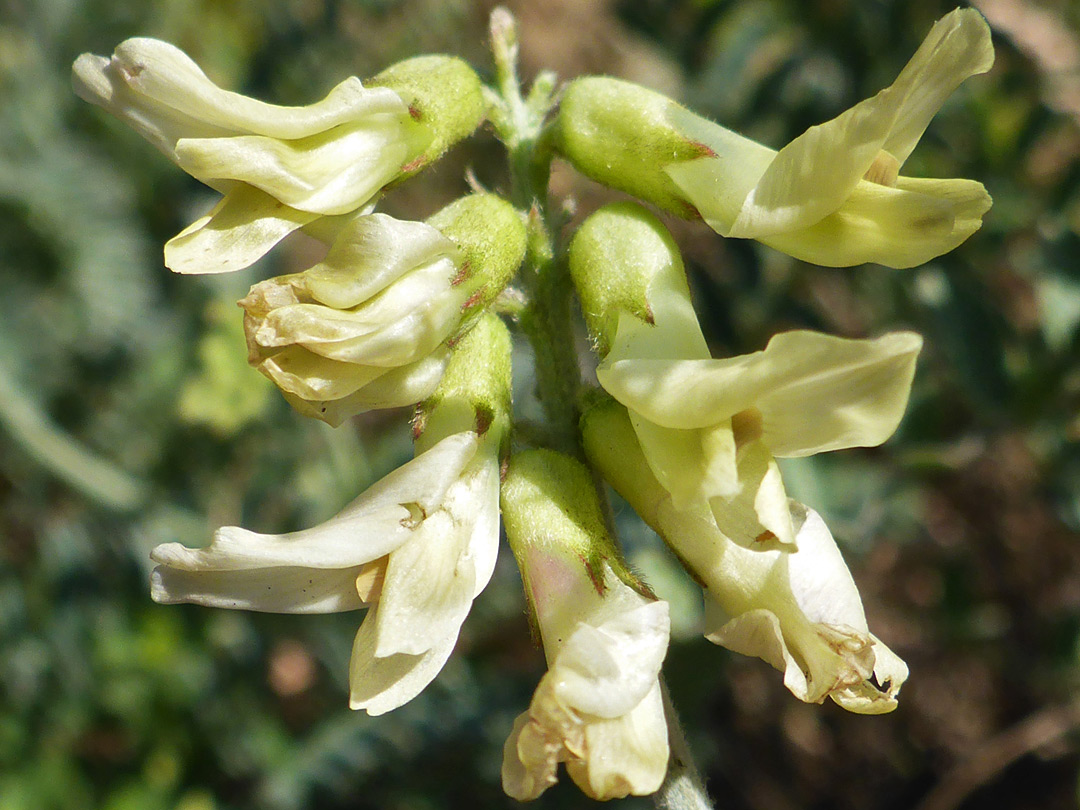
(623, 261)
(444, 96)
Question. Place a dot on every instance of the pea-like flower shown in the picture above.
(711, 428)
(415, 549)
(279, 168)
(833, 196)
(795, 607)
(598, 708)
(805, 393)
(367, 327)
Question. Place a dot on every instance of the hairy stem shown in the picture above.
(547, 320)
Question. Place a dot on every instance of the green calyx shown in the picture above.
(617, 257)
(490, 234)
(445, 98)
(620, 134)
(475, 390)
(612, 447)
(550, 505)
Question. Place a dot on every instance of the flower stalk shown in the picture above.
(547, 321)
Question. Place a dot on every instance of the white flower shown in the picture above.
(798, 610)
(710, 428)
(834, 196)
(364, 328)
(415, 549)
(368, 326)
(598, 708)
(795, 606)
(279, 168)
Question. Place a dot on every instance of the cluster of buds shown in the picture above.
(400, 313)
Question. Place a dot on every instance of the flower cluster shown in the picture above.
(401, 313)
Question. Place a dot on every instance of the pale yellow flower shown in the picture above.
(415, 549)
(365, 327)
(279, 168)
(795, 606)
(599, 707)
(368, 326)
(834, 195)
(712, 429)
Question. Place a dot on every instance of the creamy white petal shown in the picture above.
(313, 377)
(607, 669)
(428, 591)
(628, 755)
(404, 322)
(820, 580)
(166, 75)
(280, 589)
(829, 393)
(813, 175)
(333, 544)
(379, 685)
(373, 525)
(476, 502)
(693, 465)
(368, 254)
(814, 392)
(899, 227)
(104, 82)
(957, 47)
(528, 769)
(758, 515)
(432, 579)
(241, 229)
(331, 172)
(401, 386)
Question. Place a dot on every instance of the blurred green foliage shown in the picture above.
(128, 417)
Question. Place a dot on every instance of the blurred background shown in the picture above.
(128, 417)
